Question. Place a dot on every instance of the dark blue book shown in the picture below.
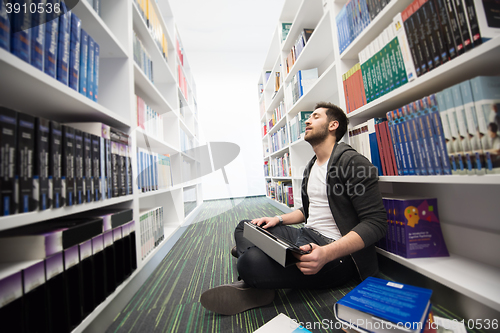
(90, 68)
(68, 164)
(4, 28)
(63, 45)
(25, 167)
(407, 142)
(51, 39)
(21, 34)
(79, 168)
(398, 127)
(37, 36)
(55, 165)
(395, 142)
(96, 71)
(74, 53)
(11, 298)
(377, 302)
(8, 138)
(411, 139)
(417, 137)
(439, 138)
(41, 161)
(84, 53)
(87, 164)
(426, 140)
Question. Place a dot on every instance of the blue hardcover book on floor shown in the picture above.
(20, 34)
(96, 71)
(51, 39)
(90, 69)
(377, 303)
(63, 45)
(74, 52)
(4, 28)
(37, 37)
(84, 53)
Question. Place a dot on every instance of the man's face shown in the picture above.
(317, 127)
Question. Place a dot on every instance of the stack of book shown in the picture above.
(455, 131)
(155, 172)
(58, 271)
(281, 192)
(354, 91)
(154, 25)
(280, 166)
(353, 18)
(59, 47)
(142, 58)
(298, 125)
(151, 223)
(297, 48)
(299, 85)
(279, 139)
(414, 229)
(148, 119)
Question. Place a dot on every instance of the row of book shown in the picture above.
(279, 166)
(151, 224)
(96, 5)
(281, 192)
(46, 164)
(299, 85)
(353, 18)
(54, 273)
(183, 84)
(59, 47)
(152, 19)
(279, 139)
(297, 48)
(142, 58)
(298, 125)
(414, 229)
(186, 141)
(455, 131)
(285, 29)
(148, 119)
(155, 172)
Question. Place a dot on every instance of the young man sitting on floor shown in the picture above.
(344, 216)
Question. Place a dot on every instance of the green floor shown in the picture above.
(169, 300)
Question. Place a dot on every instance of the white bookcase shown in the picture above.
(468, 205)
(28, 90)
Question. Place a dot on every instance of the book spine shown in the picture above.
(87, 162)
(130, 178)
(108, 170)
(437, 32)
(55, 165)
(37, 37)
(21, 34)
(420, 24)
(424, 137)
(51, 39)
(461, 120)
(410, 157)
(115, 170)
(462, 23)
(430, 26)
(455, 27)
(8, 142)
(97, 7)
(417, 139)
(41, 175)
(456, 144)
(443, 113)
(68, 165)
(446, 28)
(431, 137)
(412, 43)
(472, 21)
(25, 157)
(412, 142)
(84, 53)
(90, 68)
(79, 168)
(96, 167)
(96, 71)
(396, 144)
(439, 136)
(63, 45)
(74, 53)
(4, 28)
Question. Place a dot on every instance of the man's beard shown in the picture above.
(318, 137)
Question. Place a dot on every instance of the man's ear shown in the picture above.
(334, 124)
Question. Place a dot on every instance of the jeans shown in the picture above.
(258, 270)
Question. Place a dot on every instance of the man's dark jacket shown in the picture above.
(355, 201)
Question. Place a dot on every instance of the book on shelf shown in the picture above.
(20, 35)
(110, 260)
(63, 45)
(55, 165)
(37, 32)
(378, 304)
(25, 167)
(285, 29)
(88, 187)
(95, 97)
(100, 290)
(51, 40)
(151, 224)
(68, 165)
(90, 67)
(415, 230)
(72, 271)
(298, 125)
(4, 28)
(351, 20)
(35, 297)
(488, 22)
(79, 178)
(41, 173)
(74, 51)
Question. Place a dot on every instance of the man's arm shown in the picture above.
(290, 218)
(320, 255)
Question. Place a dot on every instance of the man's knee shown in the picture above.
(250, 264)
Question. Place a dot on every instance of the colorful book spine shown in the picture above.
(63, 45)
(439, 136)
(21, 34)
(425, 139)
(443, 113)
(74, 53)
(84, 54)
(446, 28)
(90, 68)
(412, 140)
(395, 143)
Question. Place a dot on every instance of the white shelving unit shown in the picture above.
(28, 90)
(467, 206)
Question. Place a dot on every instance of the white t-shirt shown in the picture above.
(320, 216)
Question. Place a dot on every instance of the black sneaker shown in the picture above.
(230, 299)
(234, 252)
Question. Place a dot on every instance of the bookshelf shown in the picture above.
(467, 211)
(29, 90)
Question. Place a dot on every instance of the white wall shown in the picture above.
(226, 43)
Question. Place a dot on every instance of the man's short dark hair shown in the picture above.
(333, 112)
(493, 127)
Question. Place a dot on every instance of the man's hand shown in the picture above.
(266, 222)
(313, 262)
